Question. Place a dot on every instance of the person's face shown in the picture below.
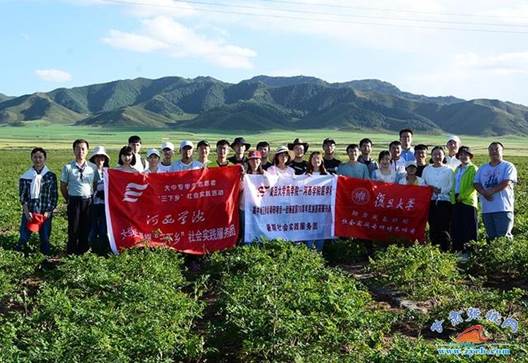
(395, 151)
(464, 157)
(406, 139)
(38, 160)
(80, 151)
(254, 163)
(167, 154)
(283, 159)
(411, 170)
(366, 148)
(204, 151)
(153, 160)
(438, 156)
(136, 146)
(495, 152)
(239, 148)
(329, 148)
(298, 151)
(420, 155)
(126, 159)
(353, 153)
(222, 151)
(385, 161)
(264, 151)
(452, 146)
(186, 152)
(99, 161)
(317, 160)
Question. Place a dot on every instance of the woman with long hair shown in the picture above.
(126, 160)
(280, 163)
(316, 167)
(385, 173)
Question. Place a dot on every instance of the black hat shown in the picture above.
(298, 142)
(328, 141)
(465, 149)
(203, 143)
(240, 140)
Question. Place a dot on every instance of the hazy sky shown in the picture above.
(469, 49)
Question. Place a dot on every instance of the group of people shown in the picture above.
(456, 182)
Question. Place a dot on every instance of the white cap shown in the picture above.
(167, 145)
(99, 150)
(153, 152)
(409, 163)
(454, 138)
(185, 143)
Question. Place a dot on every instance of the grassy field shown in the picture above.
(275, 302)
(60, 137)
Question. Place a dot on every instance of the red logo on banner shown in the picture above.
(381, 211)
(192, 211)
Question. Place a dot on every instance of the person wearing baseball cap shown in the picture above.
(186, 162)
(203, 152)
(165, 166)
(452, 144)
(38, 195)
(239, 146)
(330, 162)
(153, 157)
(464, 224)
(410, 177)
(280, 163)
(98, 233)
(298, 163)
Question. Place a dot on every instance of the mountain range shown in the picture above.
(263, 103)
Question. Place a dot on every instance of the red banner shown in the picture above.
(192, 211)
(381, 211)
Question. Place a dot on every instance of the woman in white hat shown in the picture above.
(153, 158)
(98, 237)
(280, 163)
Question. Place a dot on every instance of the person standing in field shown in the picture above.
(186, 162)
(77, 180)
(353, 168)
(141, 164)
(298, 163)
(222, 149)
(315, 168)
(98, 231)
(264, 148)
(453, 143)
(38, 195)
(385, 173)
(280, 163)
(204, 149)
(397, 162)
(329, 160)
(406, 138)
(494, 182)
(153, 157)
(165, 166)
(420, 154)
(440, 178)
(464, 226)
(239, 146)
(365, 145)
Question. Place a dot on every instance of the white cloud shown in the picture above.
(179, 41)
(53, 75)
(502, 64)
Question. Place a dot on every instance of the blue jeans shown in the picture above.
(44, 234)
(318, 244)
(498, 224)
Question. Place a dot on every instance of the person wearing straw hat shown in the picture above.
(165, 166)
(452, 145)
(38, 195)
(98, 233)
(153, 157)
(186, 162)
(464, 225)
(280, 163)
(298, 163)
(239, 146)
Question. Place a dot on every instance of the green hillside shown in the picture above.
(263, 103)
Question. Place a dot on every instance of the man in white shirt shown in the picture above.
(453, 143)
(397, 162)
(203, 152)
(186, 162)
(165, 166)
(141, 164)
